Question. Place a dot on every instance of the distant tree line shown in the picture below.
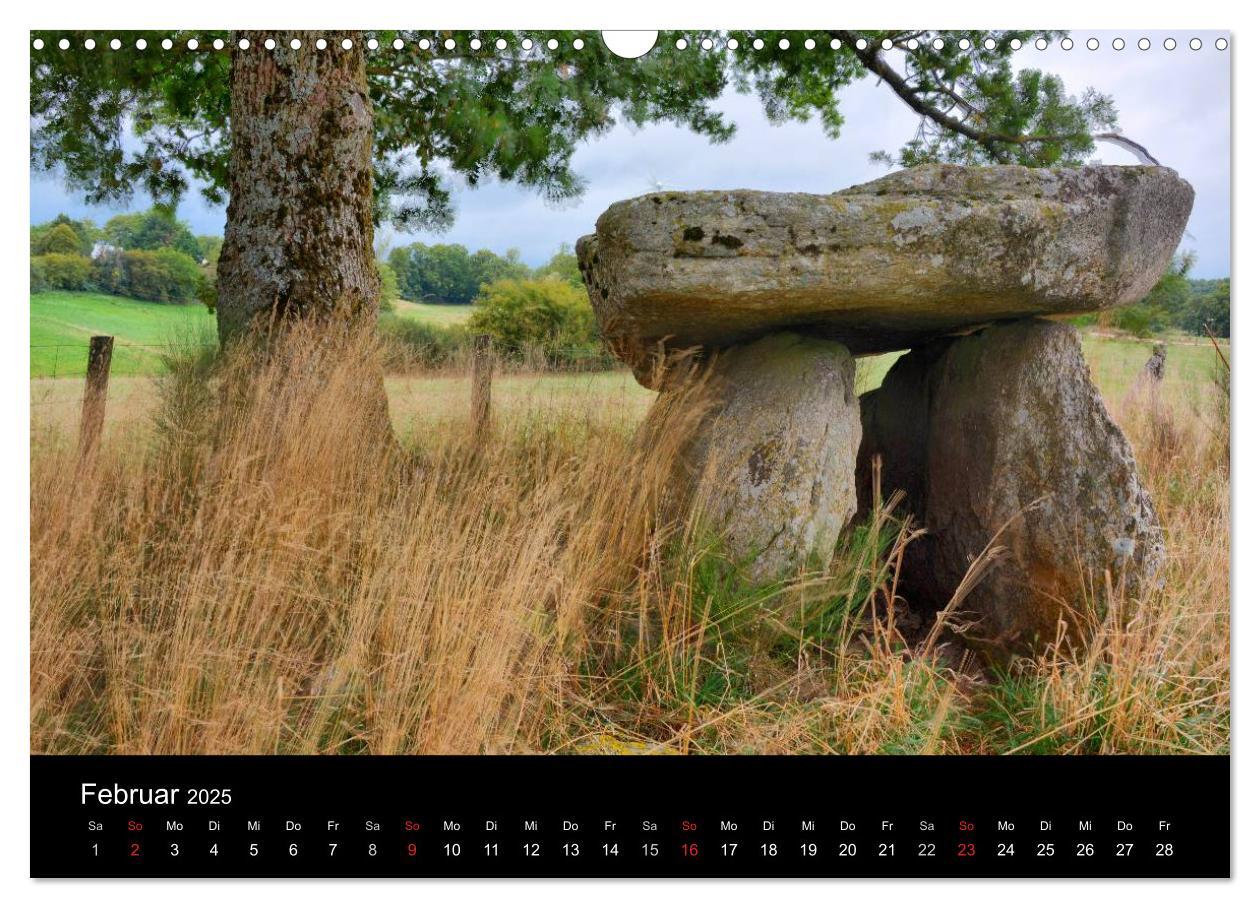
(149, 255)
(1178, 302)
(450, 274)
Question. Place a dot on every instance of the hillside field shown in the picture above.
(62, 323)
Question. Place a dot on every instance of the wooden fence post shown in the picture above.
(100, 354)
(483, 365)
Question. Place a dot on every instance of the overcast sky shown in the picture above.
(1176, 103)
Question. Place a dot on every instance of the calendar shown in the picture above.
(664, 817)
(692, 453)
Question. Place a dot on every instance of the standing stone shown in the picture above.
(773, 467)
(1014, 442)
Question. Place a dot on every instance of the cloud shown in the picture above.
(1176, 103)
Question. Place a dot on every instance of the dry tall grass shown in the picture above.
(259, 574)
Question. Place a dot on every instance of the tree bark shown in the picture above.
(299, 222)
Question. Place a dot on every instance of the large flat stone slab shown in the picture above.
(928, 251)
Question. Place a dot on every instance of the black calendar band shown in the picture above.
(641, 816)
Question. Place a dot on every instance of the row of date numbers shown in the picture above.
(692, 850)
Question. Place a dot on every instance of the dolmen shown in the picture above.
(989, 424)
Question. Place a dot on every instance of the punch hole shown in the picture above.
(629, 44)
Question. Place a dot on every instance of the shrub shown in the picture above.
(60, 240)
(161, 275)
(39, 276)
(61, 271)
(564, 265)
(547, 312)
(108, 274)
(65, 235)
(389, 285)
(209, 248)
(208, 288)
(157, 228)
(1207, 310)
(1139, 320)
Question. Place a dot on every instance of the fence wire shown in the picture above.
(54, 361)
(425, 387)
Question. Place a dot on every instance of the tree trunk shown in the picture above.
(299, 222)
